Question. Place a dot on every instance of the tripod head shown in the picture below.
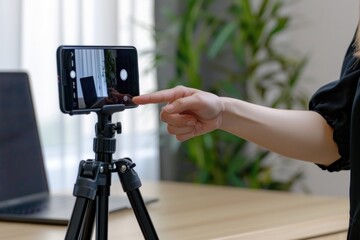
(110, 109)
(104, 143)
(104, 126)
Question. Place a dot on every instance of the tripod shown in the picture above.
(92, 187)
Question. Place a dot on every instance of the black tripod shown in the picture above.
(92, 187)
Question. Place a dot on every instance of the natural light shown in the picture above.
(44, 25)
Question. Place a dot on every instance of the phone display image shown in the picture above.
(91, 77)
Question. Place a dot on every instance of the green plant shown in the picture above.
(233, 50)
(110, 68)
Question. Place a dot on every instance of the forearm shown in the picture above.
(303, 135)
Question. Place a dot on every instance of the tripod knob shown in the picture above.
(118, 128)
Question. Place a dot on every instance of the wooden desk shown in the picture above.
(187, 211)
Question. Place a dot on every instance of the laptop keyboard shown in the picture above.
(37, 206)
(25, 209)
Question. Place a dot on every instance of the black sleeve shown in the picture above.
(334, 102)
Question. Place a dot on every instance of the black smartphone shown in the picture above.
(91, 77)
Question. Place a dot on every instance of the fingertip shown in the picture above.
(181, 138)
(143, 99)
(185, 137)
(137, 100)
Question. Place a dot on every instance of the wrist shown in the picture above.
(224, 109)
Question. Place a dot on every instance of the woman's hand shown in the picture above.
(189, 112)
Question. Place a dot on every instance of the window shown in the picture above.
(39, 27)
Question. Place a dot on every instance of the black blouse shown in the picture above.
(338, 102)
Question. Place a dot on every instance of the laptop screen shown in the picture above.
(22, 170)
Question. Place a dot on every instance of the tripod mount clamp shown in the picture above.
(128, 177)
(89, 178)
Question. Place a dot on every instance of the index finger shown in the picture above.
(163, 96)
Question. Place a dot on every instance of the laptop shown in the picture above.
(24, 190)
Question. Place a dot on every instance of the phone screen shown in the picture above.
(93, 76)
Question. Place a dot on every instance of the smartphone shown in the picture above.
(91, 77)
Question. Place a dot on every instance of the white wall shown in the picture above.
(10, 42)
(323, 31)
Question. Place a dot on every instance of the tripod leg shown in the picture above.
(84, 212)
(88, 221)
(102, 212)
(142, 215)
(131, 184)
(76, 225)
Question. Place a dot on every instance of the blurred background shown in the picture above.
(183, 42)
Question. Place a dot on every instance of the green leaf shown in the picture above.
(221, 39)
(282, 23)
(262, 8)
